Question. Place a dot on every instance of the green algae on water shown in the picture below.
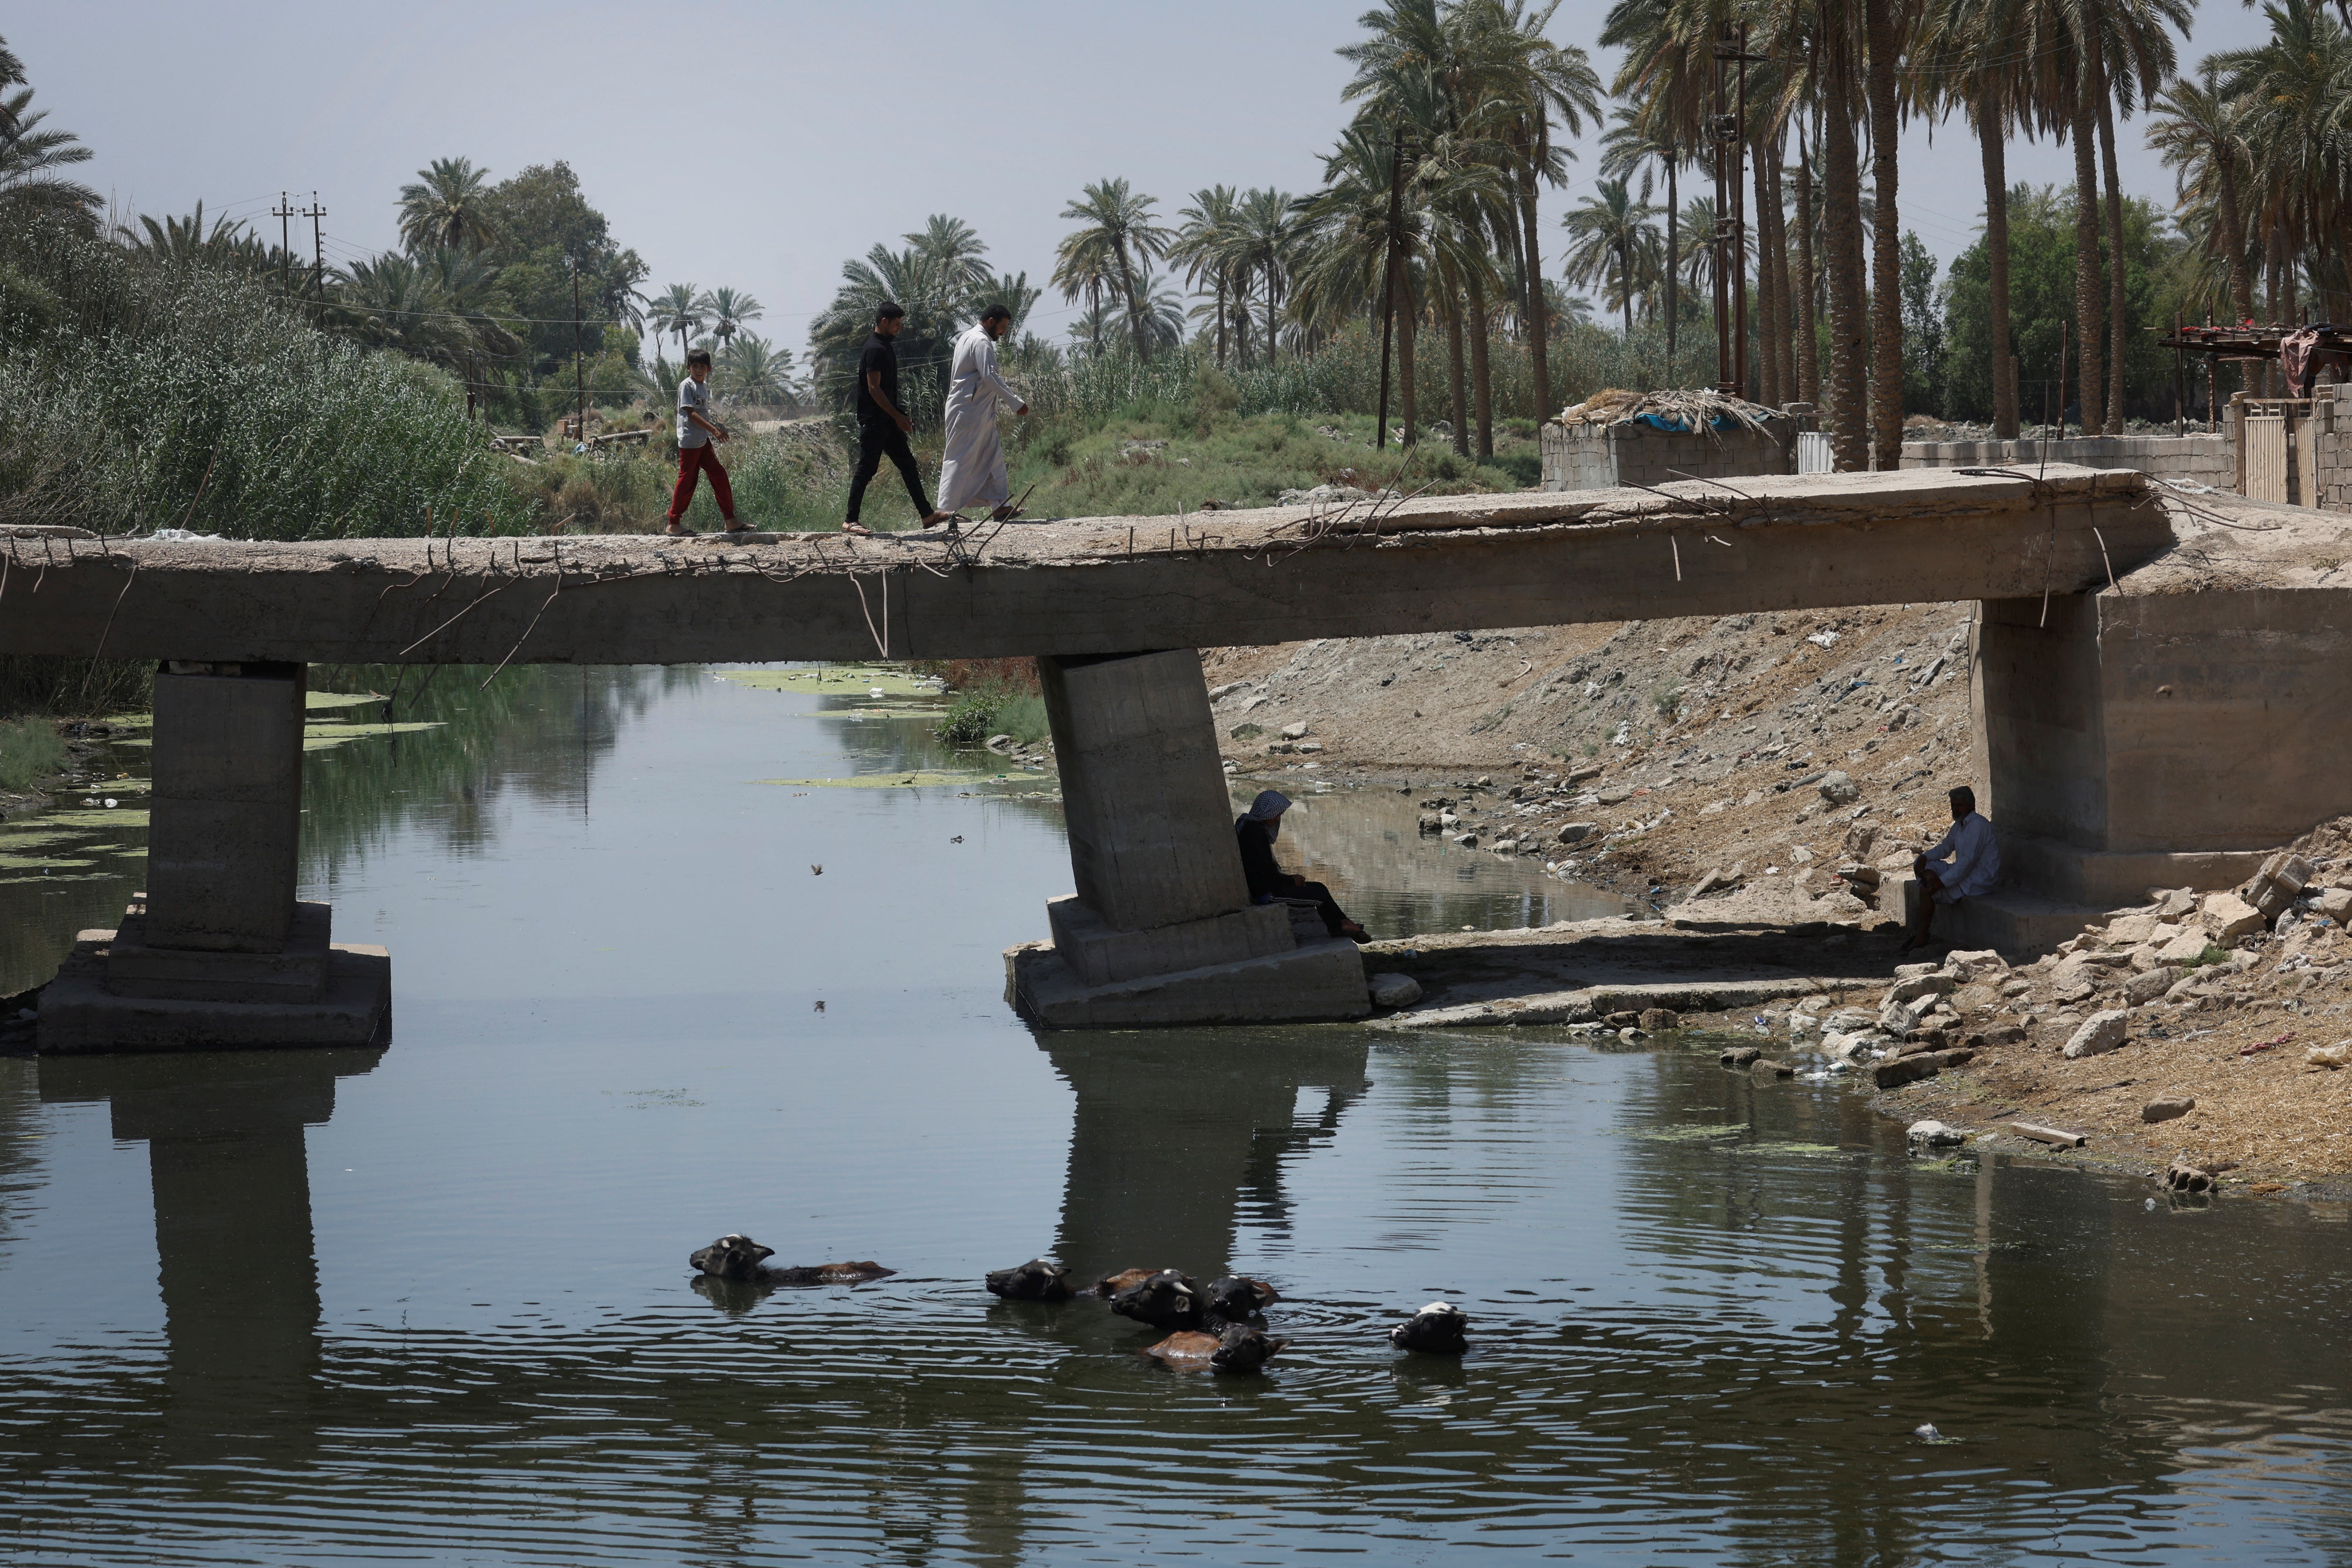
(317, 700)
(835, 680)
(43, 863)
(918, 779)
(100, 817)
(327, 737)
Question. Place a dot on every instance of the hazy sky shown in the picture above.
(760, 145)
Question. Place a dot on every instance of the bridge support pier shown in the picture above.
(2130, 740)
(1160, 930)
(218, 952)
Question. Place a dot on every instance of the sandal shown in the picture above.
(859, 529)
(738, 528)
(675, 531)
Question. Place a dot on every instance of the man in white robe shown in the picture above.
(973, 467)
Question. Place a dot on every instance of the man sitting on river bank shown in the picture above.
(1257, 829)
(1975, 865)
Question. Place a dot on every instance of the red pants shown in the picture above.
(694, 461)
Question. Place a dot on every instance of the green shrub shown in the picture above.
(1248, 731)
(30, 753)
(971, 718)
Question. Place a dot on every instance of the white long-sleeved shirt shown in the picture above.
(1976, 859)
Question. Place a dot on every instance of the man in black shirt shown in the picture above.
(881, 426)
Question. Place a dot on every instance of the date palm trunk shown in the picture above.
(1842, 219)
(1539, 323)
(1482, 378)
(1886, 242)
(1768, 321)
(2088, 303)
(1990, 132)
(1673, 269)
(2118, 299)
(1809, 351)
(1452, 309)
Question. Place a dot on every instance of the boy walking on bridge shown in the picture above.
(696, 432)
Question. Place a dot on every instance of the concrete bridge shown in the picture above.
(1160, 928)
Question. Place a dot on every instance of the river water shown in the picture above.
(430, 1303)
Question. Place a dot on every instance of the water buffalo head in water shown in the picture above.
(1165, 1300)
(1245, 1350)
(1436, 1330)
(731, 1257)
(1039, 1279)
(1237, 1300)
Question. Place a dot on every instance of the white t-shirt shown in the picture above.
(695, 395)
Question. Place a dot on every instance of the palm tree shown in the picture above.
(1267, 227)
(1340, 272)
(1542, 81)
(1011, 290)
(225, 245)
(1119, 228)
(954, 248)
(1636, 141)
(2135, 58)
(678, 311)
(30, 185)
(1611, 228)
(729, 309)
(2200, 131)
(1975, 44)
(444, 207)
(1887, 25)
(2295, 119)
(1206, 246)
(937, 307)
(753, 370)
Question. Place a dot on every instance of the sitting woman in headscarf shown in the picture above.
(1257, 829)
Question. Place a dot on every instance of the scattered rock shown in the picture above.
(2228, 917)
(1777, 1068)
(1431, 822)
(1295, 732)
(2183, 1177)
(2335, 904)
(2103, 1032)
(1837, 788)
(1740, 1056)
(2167, 1108)
(1919, 985)
(1896, 1071)
(2186, 948)
(2337, 1056)
(1000, 743)
(2057, 1135)
(1394, 990)
(1658, 1020)
(2146, 987)
(2277, 885)
(1935, 1135)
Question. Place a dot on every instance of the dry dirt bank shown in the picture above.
(1686, 745)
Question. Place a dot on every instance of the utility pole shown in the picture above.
(1388, 281)
(314, 212)
(579, 364)
(284, 212)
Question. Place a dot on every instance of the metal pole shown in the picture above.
(1388, 282)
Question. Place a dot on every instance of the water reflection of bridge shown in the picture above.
(1788, 1441)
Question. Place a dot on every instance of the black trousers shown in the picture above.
(878, 438)
(1334, 917)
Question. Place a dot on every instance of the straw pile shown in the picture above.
(1695, 410)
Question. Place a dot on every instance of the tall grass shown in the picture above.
(135, 397)
(30, 753)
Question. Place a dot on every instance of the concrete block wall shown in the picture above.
(2198, 459)
(1594, 456)
(2327, 451)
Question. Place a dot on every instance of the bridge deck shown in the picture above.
(1094, 585)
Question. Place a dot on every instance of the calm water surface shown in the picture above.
(431, 1304)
